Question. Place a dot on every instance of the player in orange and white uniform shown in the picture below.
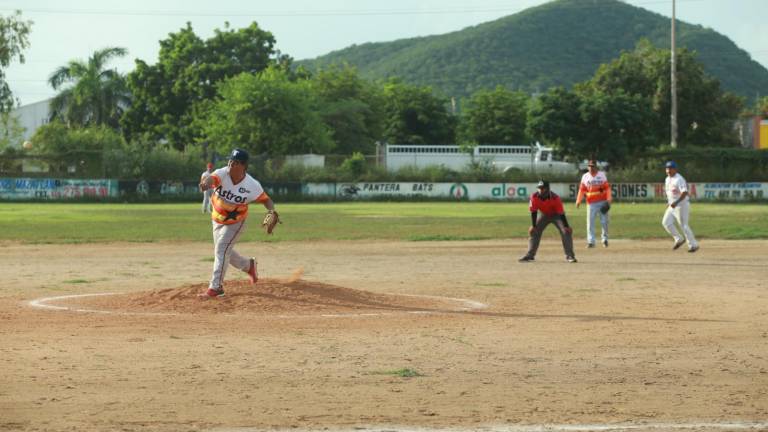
(595, 187)
(233, 189)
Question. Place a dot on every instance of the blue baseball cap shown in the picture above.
(239, 155)
(671, 164)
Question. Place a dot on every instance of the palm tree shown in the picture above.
(97, 96)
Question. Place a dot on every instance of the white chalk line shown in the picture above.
(43, 303)
(605, 427)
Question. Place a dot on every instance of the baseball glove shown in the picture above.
(605, 207)
(271, 219)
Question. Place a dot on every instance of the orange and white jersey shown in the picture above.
(675, 186)
(595, 187)
(229, 200)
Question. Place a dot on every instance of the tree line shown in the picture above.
(235, 89)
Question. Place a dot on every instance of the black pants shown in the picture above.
(541, 223)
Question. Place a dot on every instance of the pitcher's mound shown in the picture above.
(267, 297)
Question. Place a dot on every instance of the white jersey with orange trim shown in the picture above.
(595, 187)
(229, 200)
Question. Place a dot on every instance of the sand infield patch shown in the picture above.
(269, 297)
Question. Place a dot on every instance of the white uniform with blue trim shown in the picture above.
(674, 187)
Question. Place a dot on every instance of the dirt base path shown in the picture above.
(634, 334)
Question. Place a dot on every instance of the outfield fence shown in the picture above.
(62, 189)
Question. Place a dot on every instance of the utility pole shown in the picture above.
(673, 85)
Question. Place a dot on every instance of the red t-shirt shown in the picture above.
(550, 206)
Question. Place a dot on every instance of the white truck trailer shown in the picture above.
(535, 158)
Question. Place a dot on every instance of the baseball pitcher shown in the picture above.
(233, 189)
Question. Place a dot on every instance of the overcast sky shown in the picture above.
(73, 29)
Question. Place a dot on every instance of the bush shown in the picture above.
(353, 167)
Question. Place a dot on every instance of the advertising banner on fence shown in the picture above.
(459, 191)
(56, 189)
(627, 192)
(371, 190)
(64, 189)
(732, 191)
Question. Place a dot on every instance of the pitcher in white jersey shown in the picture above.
(233, 189)
(678, 209)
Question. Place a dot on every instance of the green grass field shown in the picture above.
(84, 223)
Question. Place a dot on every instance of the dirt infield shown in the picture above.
(384, 333)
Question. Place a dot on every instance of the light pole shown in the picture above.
(673, 85)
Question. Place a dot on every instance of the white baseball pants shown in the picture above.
(593, 210)
(224, 239)
(680, 214)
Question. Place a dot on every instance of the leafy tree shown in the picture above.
(83, 148)
(495, 117)
(553, 118)
(171, 96)
(97, 96)
(762, 106)
(266, 114)
(592, 124)
(705, 113)
(351, 107)
(14, 38)
(413, 115)
(11, 131)
(624, 109)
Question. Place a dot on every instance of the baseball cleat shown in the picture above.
(693, 249)
(253, 274)
(571, 259)
(605, 243)
(526, 258)
(678, 243)
(211, 293)
(590, 245)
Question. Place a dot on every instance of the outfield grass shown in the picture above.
(84, 223)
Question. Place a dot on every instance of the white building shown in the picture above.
(32, 116)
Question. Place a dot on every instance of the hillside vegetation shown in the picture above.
(556, 44)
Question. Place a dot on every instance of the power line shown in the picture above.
(319, 13)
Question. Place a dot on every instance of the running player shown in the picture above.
(678, 209)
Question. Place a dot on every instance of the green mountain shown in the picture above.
(556, 44)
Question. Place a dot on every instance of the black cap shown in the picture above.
(239, 155)
(542, 184)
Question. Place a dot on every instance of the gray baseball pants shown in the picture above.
(541, 223)
(224, 239)
(593, 210)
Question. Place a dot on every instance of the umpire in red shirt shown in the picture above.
(546, 207)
